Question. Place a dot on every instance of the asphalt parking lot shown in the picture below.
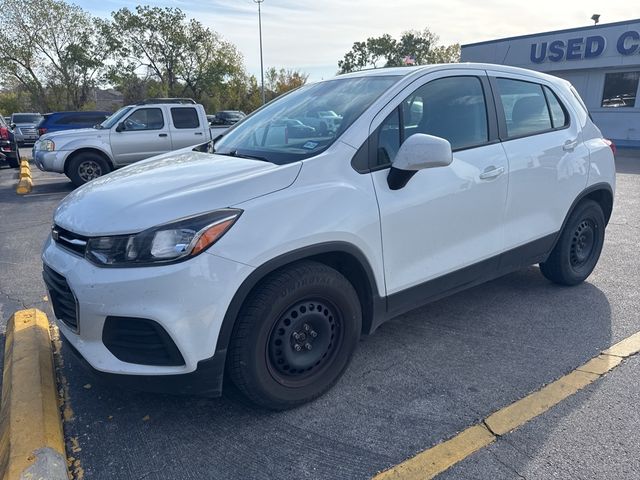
(417, 381)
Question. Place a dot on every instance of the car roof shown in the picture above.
(422, 69)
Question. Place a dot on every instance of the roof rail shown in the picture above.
(151, 101)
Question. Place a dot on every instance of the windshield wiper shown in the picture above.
(234, 153)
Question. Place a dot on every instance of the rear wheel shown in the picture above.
(295, 336)
(14, 160)
(86, 167)
(577, 252)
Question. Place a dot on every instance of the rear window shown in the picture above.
(81, 119)
(185, 117)
(26, 118)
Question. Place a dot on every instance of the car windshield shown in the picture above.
(290, 129)
(113, 119)
(26, 118)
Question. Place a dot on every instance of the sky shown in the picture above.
(313, 35)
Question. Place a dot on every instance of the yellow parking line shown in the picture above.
(435, 460)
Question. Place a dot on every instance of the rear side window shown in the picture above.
(559, 117)
(185, 117)
(525, 107)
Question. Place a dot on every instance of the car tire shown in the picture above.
(14, 161)
(295, 336)
(86, 167)
(578, 249)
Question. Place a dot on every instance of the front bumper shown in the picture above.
(50, 161)
(206, 380)
(188, 300)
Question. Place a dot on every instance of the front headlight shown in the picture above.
(47, 145)
(164, 244)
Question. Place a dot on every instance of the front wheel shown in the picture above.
(295, 335)
(578, 249)
(86, 167)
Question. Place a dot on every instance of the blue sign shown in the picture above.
(581, 48)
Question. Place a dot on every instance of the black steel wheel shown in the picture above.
(578, 249)
(295, 335)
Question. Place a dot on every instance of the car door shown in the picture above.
(187, 128)
(447, 218)
(548, 161)
(143, 134)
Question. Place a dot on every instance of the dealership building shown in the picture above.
(601, 61)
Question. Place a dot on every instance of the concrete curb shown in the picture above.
(31, 438)
(25, 184)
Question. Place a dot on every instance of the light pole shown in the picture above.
(261, 62)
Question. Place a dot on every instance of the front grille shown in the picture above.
(73, 242)
(62, 298)
(141, 341)
(28, 131)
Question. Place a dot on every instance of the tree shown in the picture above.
(158, 49)
(51, 48)
(386, 51)
(277, 82)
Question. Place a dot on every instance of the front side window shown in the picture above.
(620, 89)
(185, 117)
(145, 119)
(288, 129)
(525, 107)
(452, 108)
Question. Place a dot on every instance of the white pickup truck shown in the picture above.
(133, 133)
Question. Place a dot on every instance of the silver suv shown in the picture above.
(25, 127)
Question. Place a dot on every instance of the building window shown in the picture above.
(620, 89)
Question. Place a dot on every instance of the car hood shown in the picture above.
(166, 188)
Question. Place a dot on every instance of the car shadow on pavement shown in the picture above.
(418, 380)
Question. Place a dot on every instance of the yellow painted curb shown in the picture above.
(31, 438)
(25, 184)
(433, 461)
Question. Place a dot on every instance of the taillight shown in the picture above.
(4, 133)
(42, 131)
(612, 145)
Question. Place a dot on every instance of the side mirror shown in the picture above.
(418, 152)
(120, 127)
(13, 126)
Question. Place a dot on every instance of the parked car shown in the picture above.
(8, 144)
(269, 260)
(228, 117)
(133, 133)
(56, 121)
(24, 127)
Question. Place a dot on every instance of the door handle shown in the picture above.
(569, 145)
(198, 133)
(162, 134)
(491, 172)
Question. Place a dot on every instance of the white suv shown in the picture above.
(267, 254)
